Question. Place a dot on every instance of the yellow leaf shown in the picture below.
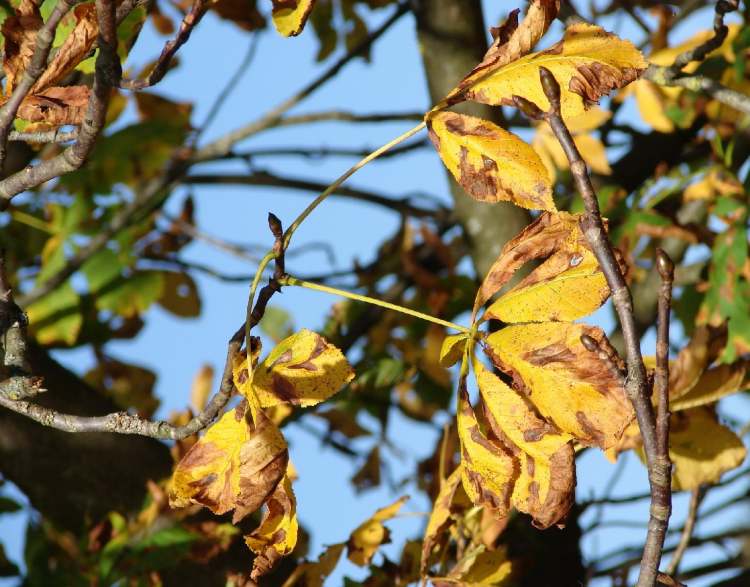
(588, 63)
(302, 370)
(290, 16)
(703, 349)
(277, 534)
(367, 538)
(701, 449)
(440, 515)
(452, 349)
(714, 384)
(201, 388)
(594, 153)
(541, 238)
(488, 472)
(588, 121)
(236, 465)
(569, 385)
(313, 574)
(653, 102)
(567, 286)
(511, 41)
(480, 568)
(490, 163)
(545, 488)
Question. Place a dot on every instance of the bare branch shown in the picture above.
(189, 22)
(696, 497)
(700, 52)
(637, 386)
(44, 136)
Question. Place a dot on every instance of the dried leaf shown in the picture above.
(490, 163)
(180, 295)
(367, 538)
(541, 238)
(588, 63)
(480, 568)
(314, 574)
(701, 449)
(511, 41)
(75, 48)
(19, 34)
(56, 106)
(488, 471)
(302, 370)
(290, 16)
(569, 385)
(236, 465)
(276, 536)
(243, 13)
(567, 286)
(201, 388)
(440, 515)
(545, 488)
(368, 475)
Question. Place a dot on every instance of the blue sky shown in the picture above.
(176, 348)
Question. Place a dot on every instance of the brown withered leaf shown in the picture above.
(75, 48)
(56, 106)
(451, 493)
(276, 536)
(489, 162)
(567, 384)
(236, 465)
(479, 567)
(511, 41)
(243, 13)
(488, 471)
(547, 234)
(313, 574)
(19, 33)
(368, 475)
(545, 487)
(368, 536)
(704, 348)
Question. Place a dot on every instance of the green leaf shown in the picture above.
(276, 323)
(56, 318)
(132, 295)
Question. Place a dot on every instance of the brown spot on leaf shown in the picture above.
(283, 389)
(589, 428)
(595, 80)
(480, 183)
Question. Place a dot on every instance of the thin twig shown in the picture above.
(696, 497)
(322, 152)
(637, 386)
(721, 30)
(44, 38)
(189, 22)
(44, 136)
(265, 178)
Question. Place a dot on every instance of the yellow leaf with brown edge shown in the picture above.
(313, 574)
(276, 536)
(489, 162)
(569, 385)
(701, 449)
(702, 350)
(567, 286)
(488, 471)
(440, 516)
(547, 234)
(545, 488)
(510, 41)
(714, 384)
(302, 370)
(370, 535)
(480, 567)
(236, 465)
(588, 63)
(290, 16)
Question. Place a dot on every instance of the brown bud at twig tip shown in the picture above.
(275, 225)
(664, 265)
(590, 343)
(551, 88)
(528, 108)
(724, 6)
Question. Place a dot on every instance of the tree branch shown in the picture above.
(189, 22)
(696, 497)
(637, 386)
